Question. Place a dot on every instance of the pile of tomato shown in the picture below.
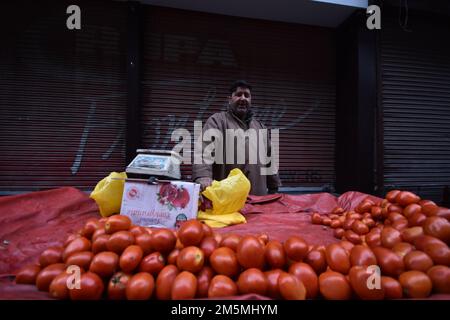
(405, 237)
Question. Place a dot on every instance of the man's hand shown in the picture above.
(204, 182)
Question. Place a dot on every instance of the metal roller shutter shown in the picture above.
(62, 95)
(415, 71)
(190, 59)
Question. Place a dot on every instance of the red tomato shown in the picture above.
(392, 288)
(117, 223)
(364, 206)
(307, 276)
(252, 280)
(317, 260)
(163, 240)
(152, 263)
(362, 256)
(173, 256)
(359, 227)
(140, 286)
(347, 225)
(224, 261)
(99, 244)
(104, 264)
(82, 259)
(130, 258)
(164, 282)
(190, 259)
(296, 248)
(352, 237)
(250, 253)
(137, 231)
(390, 263)
(264, 238)
(417, 219)
(184, 286)
(77, 245)
(376, 213)
(417, 260)
(360, 281)
(117, 286)
(70, 238)
(145, 242)
(97, 233)
(339, 233)
(415, 284)
(334, 286)
(231, 241)
(46, 275)
(412, 209)
(207, 230)
(208, 245)
(405, 198)
(119, 241)
(275, 255)
(272, 283)
(440, 277)
(326, 221)
(91, 288)
(335, 224)
(411, 234)
(90, 227)
(222, 286)
(203, 281)
(50, 256)
(191, 233)
(392, 195)
(337, 258)
(440, 253)
(437, 227)
(398, 210)
(316, 218)
(402, 249)
(290, 287)
(347, 245)
(28, 274)
(390, 237)
(58, 287)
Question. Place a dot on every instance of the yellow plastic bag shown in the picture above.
(108, 193)
(228, 197)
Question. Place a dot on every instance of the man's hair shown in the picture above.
(240, 84)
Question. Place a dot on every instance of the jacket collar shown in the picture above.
(248, 117)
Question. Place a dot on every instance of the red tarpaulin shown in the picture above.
(32, 222)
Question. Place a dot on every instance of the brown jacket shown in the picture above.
(227, 120)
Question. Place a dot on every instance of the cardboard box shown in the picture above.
(163, 205)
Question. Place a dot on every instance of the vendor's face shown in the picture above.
(241, 101)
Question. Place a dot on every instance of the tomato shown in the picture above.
(191, 233)
(46, 275)
(117, 223)
(405, 198)
(352, 237)
(137, 231)
(119, 241)
(364, 206)
(91, 288)
(400, 224)
(50, 256)
(191, 259)
(252, 280)
(443, 213)
(337, 258)
(263, 238)
(164, 282)
(392, 195)
(412, 209)
(290, 287)
(373, 239)
(369, 222)
(272, 283)
(392, 288)
(82, 259)
(275, 255)
(58, 287)
(296, 248)
(440, 277)
(152, 263)
(145, 242)
(362, 284)
(173, 256)
(218, 238)
(347, 225)
(99, 244)
(421, 242)
(347, 245)
(359, 228)
(130, 258)
(338, 210)
(376, 212)
(394, 212)
(208, 245)
(411, 234)
(335, 224)
(70, 238)
(390, 237)
(339, 233)
(140, 286)
(28, 274)
(326, 221)
(417, 219)
(231, 241)
(90, 227)
(306, 275)
(97, 233)
(104, 264)
(317, 260)
(184, 286)
(117, 286)
(250, 253)
(316, 218)
(224, 261)
(402, 249)
(437, 227)
(334, 286)
(415, 284)
(362, 256)
(440, 253)
(77, 245)
(417, 260)
(222, 286)
(390, 263)
(203, 281)
(207, 230)
(163, 240)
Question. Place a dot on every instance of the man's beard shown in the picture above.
(240, 110)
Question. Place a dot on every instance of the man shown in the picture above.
(238, 116)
